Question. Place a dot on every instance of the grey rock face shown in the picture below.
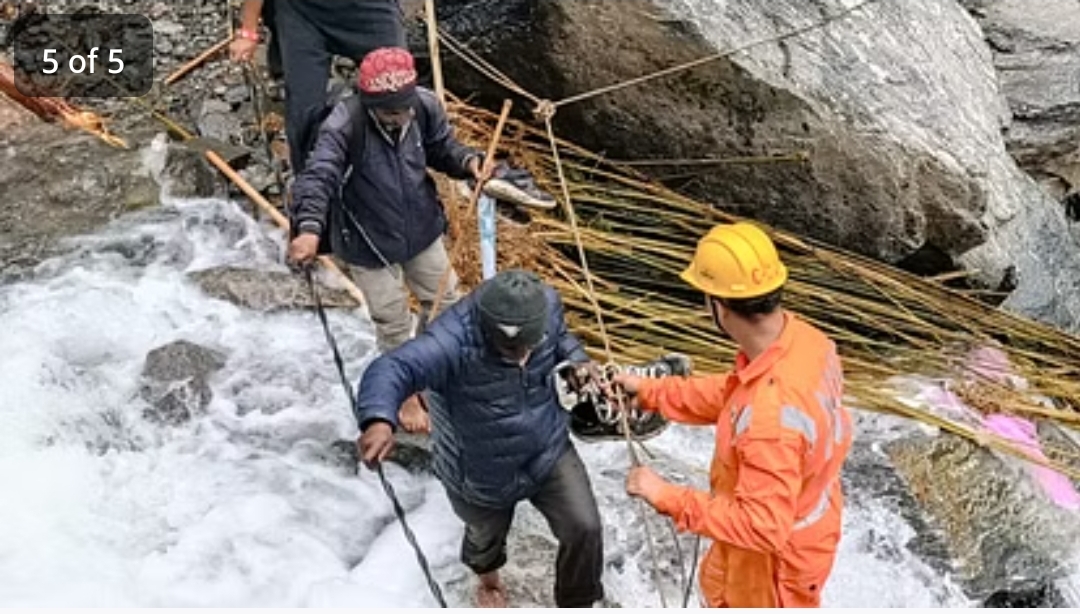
(1037, 54)
(1043, 249)
(176, 381)
(918, 76)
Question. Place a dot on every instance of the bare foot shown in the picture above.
(412, 416)
(491, 593)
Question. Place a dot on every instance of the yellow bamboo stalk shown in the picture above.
(433, 50)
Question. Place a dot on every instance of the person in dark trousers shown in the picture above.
(306, 34)
(366, 187)
(500, 436)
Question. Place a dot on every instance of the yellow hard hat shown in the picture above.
(736, 261)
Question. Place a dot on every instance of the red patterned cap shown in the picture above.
(387, 78)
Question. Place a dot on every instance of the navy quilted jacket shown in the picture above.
(497, 427)
(376, 196)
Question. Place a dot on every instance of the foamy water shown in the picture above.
(240, 507)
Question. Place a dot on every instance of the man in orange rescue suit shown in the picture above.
(782, 434)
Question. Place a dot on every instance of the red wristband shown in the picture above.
(248, 34)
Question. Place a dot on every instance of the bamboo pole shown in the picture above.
(278, 218)
(202, 57)
(433, 47)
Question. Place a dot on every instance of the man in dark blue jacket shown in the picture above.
(366, 185)
(499, 433)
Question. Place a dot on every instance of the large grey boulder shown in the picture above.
(896, 107)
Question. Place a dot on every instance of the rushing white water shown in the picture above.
(240, 507)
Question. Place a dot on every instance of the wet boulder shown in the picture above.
(176, 381)
(411, 452)
(187, 174)
(1041, 596)
(1008, 543)
(267, 290)
(57, 182)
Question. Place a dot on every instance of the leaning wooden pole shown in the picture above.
(278, 218)
(202, 57)
(433, 49)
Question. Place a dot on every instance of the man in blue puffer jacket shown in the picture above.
(499, 433)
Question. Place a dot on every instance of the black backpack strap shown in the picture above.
(356, 115)
(423, 119)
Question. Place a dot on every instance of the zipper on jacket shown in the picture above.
(523, 381)
(407, 213)
(407, 209)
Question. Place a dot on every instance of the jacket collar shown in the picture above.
(747, 371)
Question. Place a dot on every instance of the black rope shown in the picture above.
(420, 558)
(321, 313)
(686, 576)
(399, 511)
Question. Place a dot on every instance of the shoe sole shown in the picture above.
(507, 192)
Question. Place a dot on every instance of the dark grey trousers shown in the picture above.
(309, 32)
(566, 501)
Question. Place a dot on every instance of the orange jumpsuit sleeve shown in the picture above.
(689, 400)
(761, 514)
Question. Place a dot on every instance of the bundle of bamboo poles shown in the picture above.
(637, 237)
